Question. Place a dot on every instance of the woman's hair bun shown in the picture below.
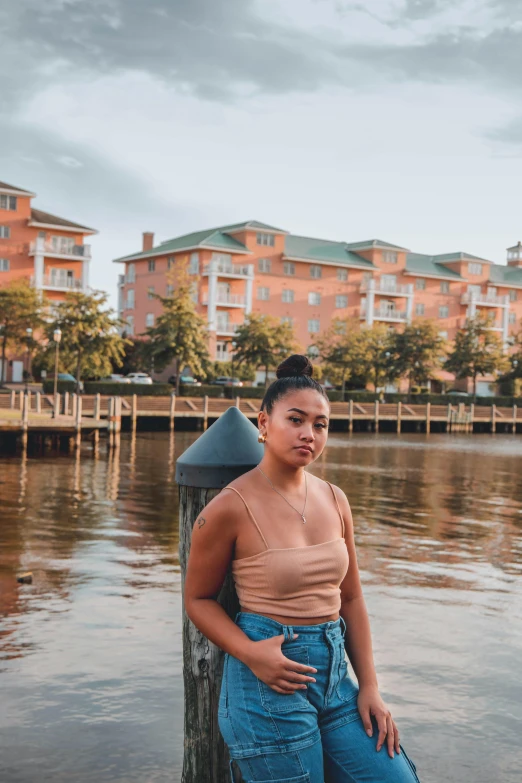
(297, 364)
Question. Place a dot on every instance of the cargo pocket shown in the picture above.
(411, 764)
(347, 690)
(273, 701)
(223, 694)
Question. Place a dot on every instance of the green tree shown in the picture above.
(338, 349)
(477, 351)
(418, 351)
(90, 343)
(21, 308)
(263, 341)
(231, 369)
(180, 334)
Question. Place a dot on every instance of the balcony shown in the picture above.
(60, 249)
(52, 283)
(485, 300)
(387, 288)
(224, 269)
(390, 314)
(223, 356)
(226, 329)
(226, 300)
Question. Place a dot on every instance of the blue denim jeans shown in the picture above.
(314, 735)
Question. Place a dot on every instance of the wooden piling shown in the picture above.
(134, 412)
(399, 416)
(205, 412)
(350, 416)
(493, 419)
(38, 402)
(172, 411)
(237, 401)
(78, 422)
(448, 423)
(57, 401)
(514, 425)
(12, 399)
(428, 418)
(376, 415)
(66, 403)
(471, 417)
(25, 420)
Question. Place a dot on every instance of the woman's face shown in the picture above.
(297, 429)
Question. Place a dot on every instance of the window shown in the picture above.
(264, 265)
(443, 311)
(130, 299)
(313, 325)
(313, 351)
(63, 245)
(4, 265)
(474, 268)
(265, 239)
(194, 264)
(444, 287)
(170, 262)
(444, 335)
(316, 271)
(5, 232)
(512, 295)
(130, 325)
(287, 319)
(150, 292)
(420, 284)
(287, 295)
(314, 298)
(131, 273)
(169, 290)
(289, 268)
(263, 293)
(149, 319)
(341, 301)
(390, 256)
(152, 265)
(8, 202)
(512, 318)
(388, 283)
(419, 309)
(342, 275)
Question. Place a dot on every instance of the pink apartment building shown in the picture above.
(254, 267)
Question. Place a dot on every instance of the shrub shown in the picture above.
(189, 390)
(244, 392)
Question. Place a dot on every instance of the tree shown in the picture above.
(477, 350)
(180, 334)
(263, 341)
(511, 380)
(90, 344)
(20, 309)
(418, 350)
(338, 349)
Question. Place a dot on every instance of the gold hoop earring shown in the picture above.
(261, 438)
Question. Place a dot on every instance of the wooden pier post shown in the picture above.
(225, 451)
(38, 402)
(471, 417)
(493, 418)
(25, 420)
(110, 422)
(350, 416)
(134, 412)
(172, 411)
(514, 425)
(12, 399)
(399, 416)
(237, 401)
(448, 423)
(96, 416)
(78, 422)
(74, 405)
(205, 412)
(66, 403)
(428, 418)
(20, 400)
(57, 401)
(376, 415)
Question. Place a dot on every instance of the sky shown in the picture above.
(389, 119)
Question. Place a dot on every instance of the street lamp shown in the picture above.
(57, 336)
(29, 335)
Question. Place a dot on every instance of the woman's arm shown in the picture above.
(353, 607)
(211, 550)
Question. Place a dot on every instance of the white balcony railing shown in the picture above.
(235, 300)
(226, 328)
(383, 313)
(223, 356)
(386, 287)
(224, 269)
(60, 249)
(491, 300)
(58, 283)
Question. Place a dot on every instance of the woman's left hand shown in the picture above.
(369, 702)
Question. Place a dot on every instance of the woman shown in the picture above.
(288, 710)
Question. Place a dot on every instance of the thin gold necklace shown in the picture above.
(302, 515)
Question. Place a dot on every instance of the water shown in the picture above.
(90, 653)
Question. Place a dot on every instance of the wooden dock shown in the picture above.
(89, 414)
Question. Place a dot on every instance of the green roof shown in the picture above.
(505, 275)
(374, 243)
(418, 264)
(210, 238)
(448, 257)
(312, 249)
(255, 224)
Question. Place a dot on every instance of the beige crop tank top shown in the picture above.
(299, 581)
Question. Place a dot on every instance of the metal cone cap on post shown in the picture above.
(225, 451)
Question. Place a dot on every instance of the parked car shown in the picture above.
(227, 380)
(116, 378)
(139, 377)
(457, 393)
(68, 378)
(188, 380)
(327, 386)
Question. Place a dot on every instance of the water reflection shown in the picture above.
(90, 653)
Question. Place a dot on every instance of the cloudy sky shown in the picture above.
(396, 119)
